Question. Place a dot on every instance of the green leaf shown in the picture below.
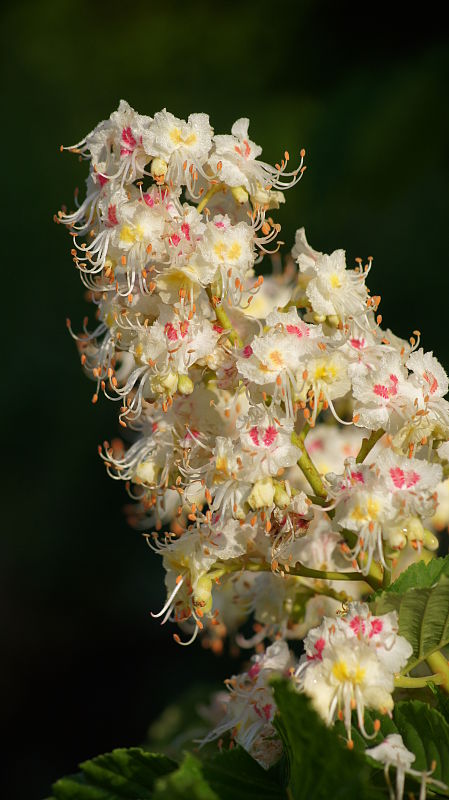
(234, 775)
(421, 575)
(185, 783)
(424, 731)
(321, 766)
(441, 701)
(423, 617)
(120, 775)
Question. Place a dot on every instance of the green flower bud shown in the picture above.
(185, 384)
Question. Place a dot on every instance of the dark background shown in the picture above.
(85, 668)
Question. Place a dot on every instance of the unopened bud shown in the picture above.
(203, 594)
(262, 494)
(239, 194)
(430, 541)
(281, 498)
(158, 169)
(185, 384)
(147, 472)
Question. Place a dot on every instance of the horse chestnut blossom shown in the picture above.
(285, 454)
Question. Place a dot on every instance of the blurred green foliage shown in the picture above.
(87, 668)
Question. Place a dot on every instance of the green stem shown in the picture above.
(307, 466)
(305, 463)
(299, 570)
(439, 664)
(368, 444)
(327, 591)
(224, 320)
(375, 575)
(216, 187)
(405, 682)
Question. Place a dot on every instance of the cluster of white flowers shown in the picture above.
(251, 412)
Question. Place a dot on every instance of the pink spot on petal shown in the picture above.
(270, 436)
(381, 391)
(357, 626)
(254, 435)
(431, 380)
(128, 139)
(148, 200)
(247, 351)
(254, 671)
(170, 332)
(376, 627)
(411, 478)
(183, 328)
(185, 228)
(112, 216)
(318, 647)
(298, 330)
(397, 476)
(393, 385)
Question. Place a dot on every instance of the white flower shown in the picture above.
(181, 144)
(363, 506)
(428, 373)
(274, 358)
(234, 159)
(250, 709)
(392, 752)
(385, 396)
(381, 632)
(327, 377)
(305, 256)
(230, 249)
(335, 290)
(348, 675)
(126, 134)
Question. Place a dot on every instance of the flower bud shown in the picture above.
(430, 541)
(185, 384)
(147, 472)
(414, 529)
(281, 498)
(262, 494)
(203, 594)
(165, 384)
(158, 169)
(239, 194)
(396, 536)
(267, 198)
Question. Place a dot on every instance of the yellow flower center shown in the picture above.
(177, 137)
(276, 358)
(130, 235)
(325, 371)
(335, 281)
(342, 673)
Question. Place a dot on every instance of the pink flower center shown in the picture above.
(112, 216)
(128, 142)
(403, 478)
(431, 380)
(298, 330)
(376, 626)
